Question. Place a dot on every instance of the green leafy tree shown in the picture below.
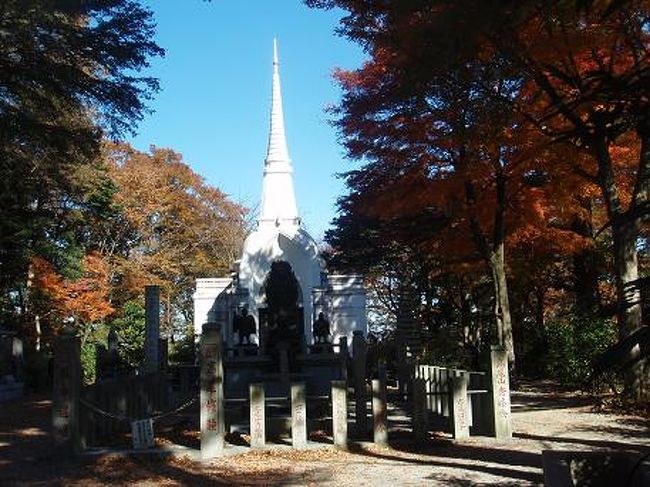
(70, 71)
(130, 329)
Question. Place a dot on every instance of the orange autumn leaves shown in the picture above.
(85, 299)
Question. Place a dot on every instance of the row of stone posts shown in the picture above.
(497, 414)
(298, 415)
(212, 400)
(67, 382)
(212, 403)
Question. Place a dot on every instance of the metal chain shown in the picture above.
(99, 410)
(174, 411)
(120, 417)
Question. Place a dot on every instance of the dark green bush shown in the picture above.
(574, 343)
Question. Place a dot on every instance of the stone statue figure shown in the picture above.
(244, 325)
(321, 329)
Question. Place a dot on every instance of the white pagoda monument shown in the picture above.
(281, 244)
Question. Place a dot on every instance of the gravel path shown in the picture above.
(542, 420)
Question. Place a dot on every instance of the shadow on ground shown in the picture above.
(505, 463)
(28, 458)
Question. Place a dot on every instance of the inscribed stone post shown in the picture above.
(212, 399)
(359, 351)
(340, 413)
(152, 328)
(500, 394)
(380, 412)
(420, 413)
(458, 406)
(65, 392)
(257, 415)
(298, 415)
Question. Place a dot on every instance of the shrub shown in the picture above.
(573, 346)
(130, 329)
(88, 362)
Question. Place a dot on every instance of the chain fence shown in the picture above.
(122, 417)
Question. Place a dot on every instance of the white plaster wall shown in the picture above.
(346, 303)
(206, 307)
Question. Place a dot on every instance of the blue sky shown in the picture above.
(216, 93)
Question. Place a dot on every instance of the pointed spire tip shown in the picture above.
(275, 51)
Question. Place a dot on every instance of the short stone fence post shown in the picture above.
(65, 392)
(359, 351)
(499, 396)
(459, 406)
(380, 412)
(420, 412)
(298, 415)
(340, 413)
(213, 428)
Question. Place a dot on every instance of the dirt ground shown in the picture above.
(542, 420)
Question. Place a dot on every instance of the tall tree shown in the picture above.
(171, 228)
(574, 72)
(69, 71)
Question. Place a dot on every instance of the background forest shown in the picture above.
(501, 194)
(86, 223)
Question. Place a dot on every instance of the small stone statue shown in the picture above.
(244, 326)
(321, 329)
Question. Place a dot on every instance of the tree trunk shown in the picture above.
(627, 274)
(28, 308)
(637, 379)
(501, 301)
(494, 255)
(626, 266)
(585, 268)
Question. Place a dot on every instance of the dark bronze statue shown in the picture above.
(321, 329)
(244, 325)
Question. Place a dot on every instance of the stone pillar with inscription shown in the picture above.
(420, 413)
(257, 415)
(66, 388)
(213, 428)
(459, 406)
(380, 412)
(359, 351)
(340, 413)
(298, 415)
(152, 329)
(499, 410)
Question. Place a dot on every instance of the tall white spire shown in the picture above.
(277, 149)
(278, 199)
